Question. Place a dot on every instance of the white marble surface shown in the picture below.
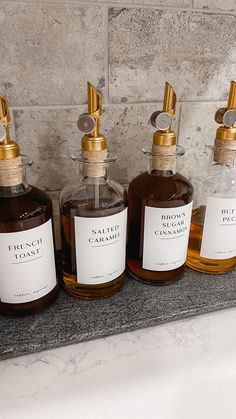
(180, 370)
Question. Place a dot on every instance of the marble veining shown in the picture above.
(129, 374)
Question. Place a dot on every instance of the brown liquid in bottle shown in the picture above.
(69, 210)
(194, 260)
(29, 208)
(159, 189)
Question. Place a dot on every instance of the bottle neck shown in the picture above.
(93, 173)
(13, 181)
(162, 166)
(224, 153)
(10, 191)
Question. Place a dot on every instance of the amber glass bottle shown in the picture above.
(93, 217)
(212, 242)
(160, 202)
(28, 280)
(93, 231)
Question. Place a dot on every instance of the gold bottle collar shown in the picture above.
(9, 151)
(90, 143)
(226, 134)
(164, 138)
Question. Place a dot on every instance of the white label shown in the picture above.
(219, 231)
(27, 270)
(166, 233)
(100, 247)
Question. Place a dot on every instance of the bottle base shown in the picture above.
(210, 266)
(159, 278)
(29, 308)
(92, 292)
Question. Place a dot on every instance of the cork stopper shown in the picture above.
(225, 142)
(162, 158)
(10, 160)
(11, 173)
(224, 151)
(93, 163)
(94, 145)
(164, 139)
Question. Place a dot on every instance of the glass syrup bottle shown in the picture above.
(28, 279)
(93, 217)
(160, 203)
(212, 242)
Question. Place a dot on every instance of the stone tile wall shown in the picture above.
(128, 49)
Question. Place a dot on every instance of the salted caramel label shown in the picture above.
(100, 247)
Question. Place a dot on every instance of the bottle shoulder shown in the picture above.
(219, 181)
(84, 191)
(92, 198)
(39, 194)
(25, 193)
(31, 203)
(159, 186)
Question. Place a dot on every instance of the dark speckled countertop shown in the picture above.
(137, 306)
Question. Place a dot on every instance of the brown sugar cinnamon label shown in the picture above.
(166, 233)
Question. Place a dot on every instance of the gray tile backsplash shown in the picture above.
(215, 4)
(49, 51)
(128, 49)
(51, 136)
(149, 46)
(197, 132)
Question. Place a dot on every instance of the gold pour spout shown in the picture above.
(232, 96)
(94, 99)
(94, 106)
(8, 149)
(162, 120)
(169, 101)
(5, 117)
(227, 116)
(89, 123)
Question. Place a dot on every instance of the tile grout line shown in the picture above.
(109, 105)
(47, 107)
(128, 6)
(106, 24)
